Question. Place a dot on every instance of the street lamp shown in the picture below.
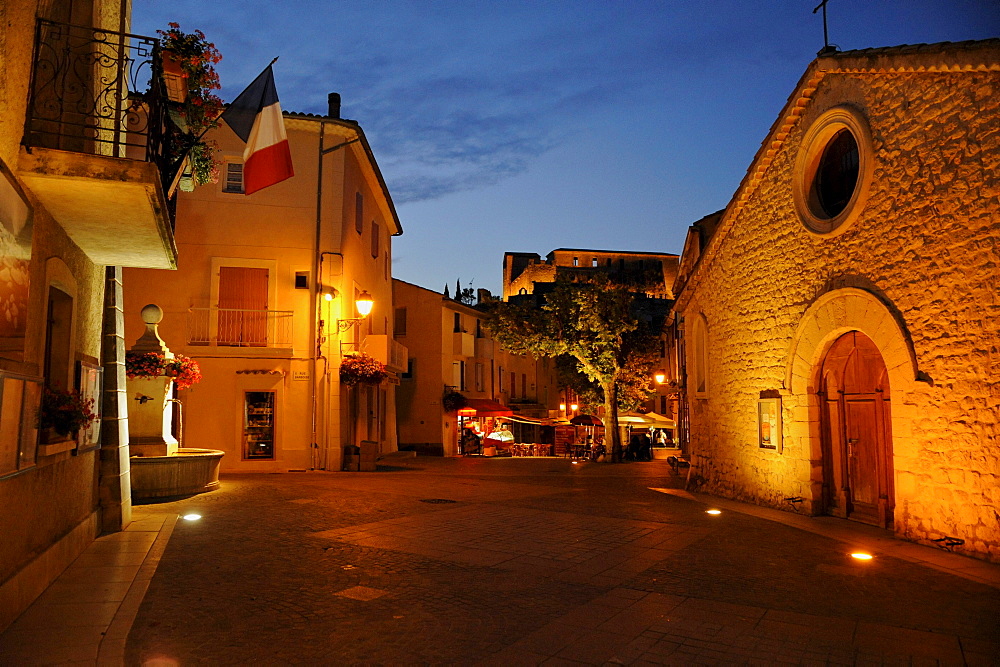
(660, 376)
(363, 304)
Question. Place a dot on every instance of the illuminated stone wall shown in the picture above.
(916, 272)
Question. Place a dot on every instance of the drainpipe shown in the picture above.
(334, 112)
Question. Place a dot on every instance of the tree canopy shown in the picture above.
(609, 329)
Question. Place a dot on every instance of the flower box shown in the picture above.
(174, 77)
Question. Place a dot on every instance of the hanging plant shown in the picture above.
(65, 412)
(147, 365)
(204, 166)
(199, 108)
(361, 369)
(453, 401)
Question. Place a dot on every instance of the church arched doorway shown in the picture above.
(856, 432)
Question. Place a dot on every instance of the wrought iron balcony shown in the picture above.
(242, 328)
(94, 91)
(95, 142)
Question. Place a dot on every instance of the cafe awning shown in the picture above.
(484, 407)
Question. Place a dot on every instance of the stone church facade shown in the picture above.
(841, 326)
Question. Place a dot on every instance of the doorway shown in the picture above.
(856, 432)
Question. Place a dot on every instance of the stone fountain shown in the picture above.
(160, 466)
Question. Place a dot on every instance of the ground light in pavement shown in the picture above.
(191, 517)
(713, 512)
(861, 555)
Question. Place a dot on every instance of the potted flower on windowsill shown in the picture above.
(362, 369)
(63, 414)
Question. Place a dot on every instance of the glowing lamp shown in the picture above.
(364, 303)
(660, 376)
(191, 517)
(713, 512)
(574, 407)
(328, 296)
(861, 556)
(562, 406)
(466, 412)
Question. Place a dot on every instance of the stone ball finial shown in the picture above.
(152, 314)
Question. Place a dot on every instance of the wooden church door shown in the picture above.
(857, 436)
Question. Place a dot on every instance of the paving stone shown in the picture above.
(536, 564)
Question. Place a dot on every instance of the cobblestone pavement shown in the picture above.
(531, 561)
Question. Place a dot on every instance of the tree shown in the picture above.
(610, 329)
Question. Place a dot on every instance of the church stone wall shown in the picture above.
(926, 248)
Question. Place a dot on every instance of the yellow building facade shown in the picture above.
(264, 301)
(451, 350)
(81, 195)
(840, 319)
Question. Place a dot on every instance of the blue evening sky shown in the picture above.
(533, 125)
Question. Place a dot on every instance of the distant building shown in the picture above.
(81, 195)
(840, 321)
(249, 302)
(450, 350)
(527, 274)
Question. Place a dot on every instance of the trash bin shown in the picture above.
(352, 458)
(369, 450)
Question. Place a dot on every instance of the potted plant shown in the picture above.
(184, 371)
(64, 413)
(361, 369)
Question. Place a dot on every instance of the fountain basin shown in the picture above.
(186, 472)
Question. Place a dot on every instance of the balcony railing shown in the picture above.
(236, 327)
(97, 92)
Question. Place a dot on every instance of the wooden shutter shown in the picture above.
(242, 306)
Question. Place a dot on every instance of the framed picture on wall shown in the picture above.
(90, 381)
(769, 423)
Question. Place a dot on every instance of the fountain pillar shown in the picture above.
(150, 417)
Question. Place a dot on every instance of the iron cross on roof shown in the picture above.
(827, 47)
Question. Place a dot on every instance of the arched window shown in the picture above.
(699, 363)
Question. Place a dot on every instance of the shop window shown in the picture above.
(258, 425)
(233, 183)
(20, 398)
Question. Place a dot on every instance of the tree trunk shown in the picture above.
(611, 421)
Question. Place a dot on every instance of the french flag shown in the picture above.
(255, 116)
